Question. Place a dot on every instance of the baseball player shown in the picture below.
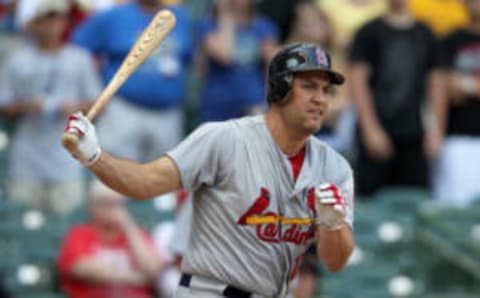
(263, 187)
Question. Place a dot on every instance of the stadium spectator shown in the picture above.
(393, 74)
(456, 179)
(109, 256)
(310, 24)
(235, 44)
(281, 12)
(40, 84)
(149, 104)
(9, 39)
(347, 16)
(443, 16)
(6, 12)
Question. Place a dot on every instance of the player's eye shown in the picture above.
(329, 90)
(308, 85)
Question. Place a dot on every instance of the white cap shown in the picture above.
(29, 10)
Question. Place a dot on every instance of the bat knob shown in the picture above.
(70, 141)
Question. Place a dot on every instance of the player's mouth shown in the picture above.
(315, 113)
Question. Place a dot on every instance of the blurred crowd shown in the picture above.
(409, 114)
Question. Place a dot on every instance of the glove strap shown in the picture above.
(331, 228)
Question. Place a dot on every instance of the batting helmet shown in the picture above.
(298, 57)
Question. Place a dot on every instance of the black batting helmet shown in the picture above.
(298, 57)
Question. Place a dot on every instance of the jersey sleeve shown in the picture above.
(202, 158)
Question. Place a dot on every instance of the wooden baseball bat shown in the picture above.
(149, 40)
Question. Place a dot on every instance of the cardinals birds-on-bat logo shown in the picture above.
(267, 222)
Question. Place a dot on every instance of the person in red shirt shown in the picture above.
(110, 256)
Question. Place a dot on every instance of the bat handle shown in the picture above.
(70, 141)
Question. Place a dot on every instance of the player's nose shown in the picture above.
(319, 97)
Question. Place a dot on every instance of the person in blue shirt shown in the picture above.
(235, 43)
(148, 111)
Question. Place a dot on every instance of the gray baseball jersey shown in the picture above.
(251, 221)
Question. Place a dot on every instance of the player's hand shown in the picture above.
(87, 150)
(378, 144)
(330, 206)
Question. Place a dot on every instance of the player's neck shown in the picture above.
(289, 141)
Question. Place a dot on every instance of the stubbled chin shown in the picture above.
(313, 126)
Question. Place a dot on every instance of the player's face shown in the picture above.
(309, 100)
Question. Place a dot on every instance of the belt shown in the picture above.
(229, 291)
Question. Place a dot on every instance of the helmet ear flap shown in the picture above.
(278, 88)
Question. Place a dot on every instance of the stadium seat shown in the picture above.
(9, 247)
(447, 248)
(31, 279)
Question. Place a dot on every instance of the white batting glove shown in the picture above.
(87, 150)
(330, 206)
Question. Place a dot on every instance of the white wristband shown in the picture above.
(93, 159)
(332, 228)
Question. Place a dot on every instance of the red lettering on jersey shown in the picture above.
(295, 235)
(270, 232)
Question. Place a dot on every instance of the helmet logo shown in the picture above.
(321, 57)
(298, 58)
(292, 62)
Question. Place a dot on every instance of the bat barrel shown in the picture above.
(158, 29)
